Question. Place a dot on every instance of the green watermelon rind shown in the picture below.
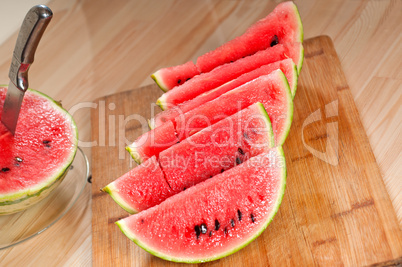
(295, 77)
(10, 202)
(151, 123)
(132, 150)
(301, 31)
(269, 219)
(299, 22)
(268, 124)
(114, 193)
(289, 117)
(159, 81)
(161, 102)
(301, 59)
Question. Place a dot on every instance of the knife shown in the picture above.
(32, 29)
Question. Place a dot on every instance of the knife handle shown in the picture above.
(32, 29)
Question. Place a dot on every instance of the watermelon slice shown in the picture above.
(140, 188)
(282, 25)
(215, 218)
(217, 148)
(271, 90)
(153, 142)
(225, 73)
(37, 158)
(207, 153)
(287, 66)
(168, 78)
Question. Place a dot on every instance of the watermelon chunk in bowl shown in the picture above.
(35, 160)
(215, 218)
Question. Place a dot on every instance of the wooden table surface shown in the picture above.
(94, 48)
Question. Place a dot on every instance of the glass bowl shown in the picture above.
(19, 227)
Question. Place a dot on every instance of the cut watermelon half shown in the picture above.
(225, 73)
(140, 188)
(37, 158)
(287, 66)
(282, 25)
(215, 218)
(168, 78)
(271, 90)
(217, 148)
(153, 142)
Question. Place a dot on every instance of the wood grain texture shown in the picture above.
(94, 48)
(336, 210)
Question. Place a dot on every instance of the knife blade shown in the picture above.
(32, 29)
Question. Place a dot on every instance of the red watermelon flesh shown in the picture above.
(227, 72)
(271, 90)
(282, 25)
(140, 188)
(153, 142)
(287, 66)
(38, 155)
(217, 148)
(215, 218)
(168, 78)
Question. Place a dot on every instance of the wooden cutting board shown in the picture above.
(336, 210)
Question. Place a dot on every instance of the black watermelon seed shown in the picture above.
(142, 220)
(197, 231)
(239, 214)
(275, 41)
(210, 233)
(238, 161)
(225, 230)
(222, 170)
(210, 176)
(46, 143)
(18, 159)
(232, 222)
(240, 151)
(217, 225)
(184, 188)
(6, 169)
(188, 79)
(179, 81)
(252, 217)
(204, 229)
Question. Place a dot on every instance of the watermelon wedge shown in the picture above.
(215, 218)
(271, 90)
(217, 148)
(227, 72)
(168, 78)
(36, 159)
(287, 66)
(213, 150)
(282, 25)
(140, 188)
(153, 142)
